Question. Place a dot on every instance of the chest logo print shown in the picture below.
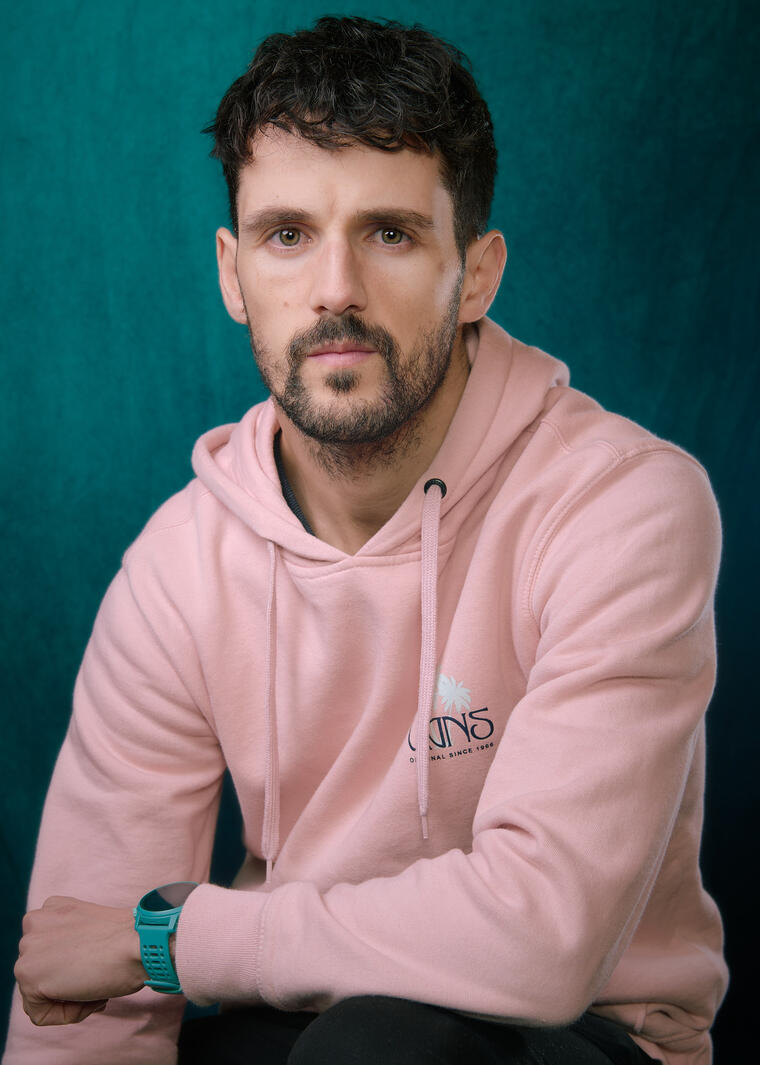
(457, 724)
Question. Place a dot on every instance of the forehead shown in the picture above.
(290, 170)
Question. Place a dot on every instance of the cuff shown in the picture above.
(218, 945)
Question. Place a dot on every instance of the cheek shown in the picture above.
(412, 302)
(267, 297)
(422, 281)
(276, 312)
(265, 276)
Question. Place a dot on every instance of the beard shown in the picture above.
(375, 427)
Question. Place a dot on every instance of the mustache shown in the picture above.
(348, 328)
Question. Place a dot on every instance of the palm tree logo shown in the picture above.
(453, 694)
(456, 699)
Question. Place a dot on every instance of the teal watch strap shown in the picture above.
(156, 916)
(155, 954)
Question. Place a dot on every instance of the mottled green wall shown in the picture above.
(628, 193)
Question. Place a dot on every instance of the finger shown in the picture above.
(85, 1009)
(45, 1013)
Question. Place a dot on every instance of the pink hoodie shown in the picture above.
(540, 858)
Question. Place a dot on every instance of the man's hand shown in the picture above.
(73, 957)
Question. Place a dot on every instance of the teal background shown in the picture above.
(628, 192)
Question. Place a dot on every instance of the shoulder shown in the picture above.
(578, 449)
(636, 517)
(609, 453)
(173, 527)
(194, 519)
(610, 500)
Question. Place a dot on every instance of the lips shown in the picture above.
(345, 347)
(340, 354)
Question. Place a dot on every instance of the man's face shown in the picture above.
(350, 281)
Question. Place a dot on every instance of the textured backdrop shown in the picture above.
(628, 193)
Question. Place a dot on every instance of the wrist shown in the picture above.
(132, 951)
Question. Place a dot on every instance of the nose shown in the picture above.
(337, 284)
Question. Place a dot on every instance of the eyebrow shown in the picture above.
(270, 217)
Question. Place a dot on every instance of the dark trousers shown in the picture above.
(374, 1030)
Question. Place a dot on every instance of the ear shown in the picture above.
(486, 258)
(226, 257)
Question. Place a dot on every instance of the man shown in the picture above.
(448, 623)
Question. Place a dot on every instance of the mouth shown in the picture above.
(341, 353)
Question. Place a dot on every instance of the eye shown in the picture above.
(391, 235)
(288, 238)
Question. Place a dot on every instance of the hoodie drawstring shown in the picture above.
(270, 835)
(435, 490)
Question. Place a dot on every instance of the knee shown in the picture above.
(373, 1030)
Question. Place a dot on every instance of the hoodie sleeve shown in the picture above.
(577, 809)
(132, 804)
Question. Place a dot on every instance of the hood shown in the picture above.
(506, 391)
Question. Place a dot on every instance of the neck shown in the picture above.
(347, 492)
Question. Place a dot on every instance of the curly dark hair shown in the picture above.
(381, 84)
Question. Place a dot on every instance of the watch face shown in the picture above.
(167, 897)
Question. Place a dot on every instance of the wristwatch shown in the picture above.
(156, 916)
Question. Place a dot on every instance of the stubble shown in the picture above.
(362, 435)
